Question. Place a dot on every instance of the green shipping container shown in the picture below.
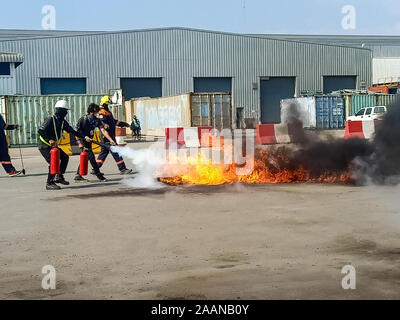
(30, 111)
(386, 99)
(360, 101)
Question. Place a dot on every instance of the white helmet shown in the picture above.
(62, 104)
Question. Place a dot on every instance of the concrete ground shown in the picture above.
(109, 241)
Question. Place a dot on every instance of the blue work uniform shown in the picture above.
(5, 159)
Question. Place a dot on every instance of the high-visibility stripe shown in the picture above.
(120, 162)
(44, 141)
(99, 161)
(5, 162)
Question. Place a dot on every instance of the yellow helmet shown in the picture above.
(104, 100)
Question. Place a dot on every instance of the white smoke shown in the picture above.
(147, 162)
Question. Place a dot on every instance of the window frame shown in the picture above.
(10, 75)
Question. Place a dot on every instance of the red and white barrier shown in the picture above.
(364, 129)
(193, 137)
(120, 136)
(276, 133)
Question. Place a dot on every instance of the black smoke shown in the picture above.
(377, 160)
(384, 165)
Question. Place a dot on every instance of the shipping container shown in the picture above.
(329, 112)
(386, 99)
(30, 111)
(3, 107)
(159, 113)
(305, 111)
(211, 109)
(359, 101)
(187, 110)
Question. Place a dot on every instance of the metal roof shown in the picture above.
(381, 46)
(17, 58)
(41, 34)
(18, 34)
(357, 40)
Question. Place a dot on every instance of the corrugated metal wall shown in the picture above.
(386, 99)
(354, 103)
(177, 55)
(8, 83)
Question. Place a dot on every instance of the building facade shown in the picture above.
(385, 50)
(8, 65)
(259, 71)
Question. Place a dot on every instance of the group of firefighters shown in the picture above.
(50, 134)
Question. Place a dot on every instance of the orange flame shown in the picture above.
(269, 168)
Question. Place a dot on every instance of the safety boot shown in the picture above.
(61, 180)
(79, 178)
(52, 186)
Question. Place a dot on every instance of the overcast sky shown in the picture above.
(243, 16)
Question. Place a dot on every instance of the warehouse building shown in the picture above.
(385, 50)
(259, 71)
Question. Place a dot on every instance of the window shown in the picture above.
(360, 113)
(141, 87)
(368, 112)
(5, 69)
(63, 86)
(379, 110)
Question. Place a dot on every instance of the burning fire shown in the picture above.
(270, 167)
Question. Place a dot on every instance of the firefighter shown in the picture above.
(86, 127)
(110, 124)
(5, 159)
(49, 137)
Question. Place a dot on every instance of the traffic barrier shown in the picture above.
(205, 136)
(120, 136)
(363, 129)
(277, 133)
(193, 137)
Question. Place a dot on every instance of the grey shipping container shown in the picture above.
(330, 112)
(212, 109)
(30, 111)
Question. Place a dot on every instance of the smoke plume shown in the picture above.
(377, 161)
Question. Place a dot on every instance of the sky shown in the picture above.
(240, 16)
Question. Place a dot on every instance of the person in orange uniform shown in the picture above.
(110, 124)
